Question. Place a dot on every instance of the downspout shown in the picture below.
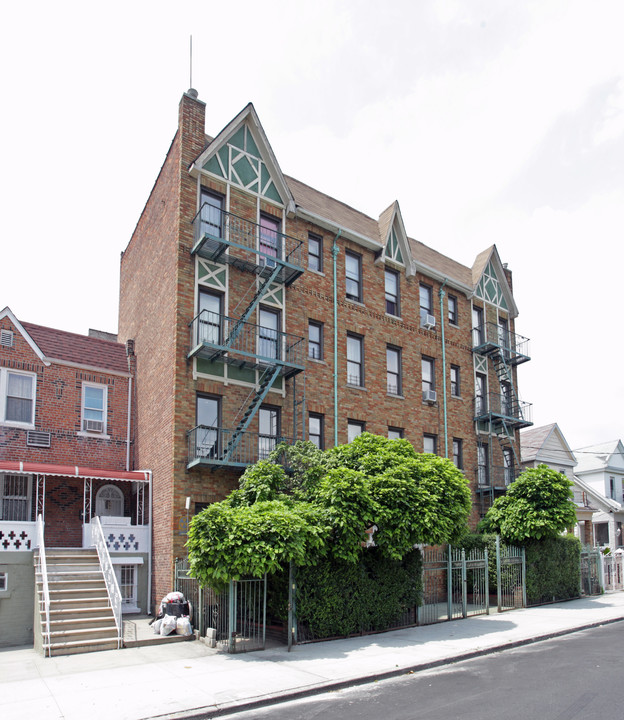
(335, 252)
(441, 294)
(129, 424)
(148, 474)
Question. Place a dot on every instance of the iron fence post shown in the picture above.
(487, 583)
(498, 574)
(200, 610)
(464, 578)
(449, 583)
(232, 616)
(264, 614)
(524, 595)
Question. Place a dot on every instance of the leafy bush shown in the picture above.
(338, 598)
(553, 569)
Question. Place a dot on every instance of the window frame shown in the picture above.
(321, 434)
(453, 315)
(478, 327)
(207, 192)
(483, 468)
(359, 363)
(355, 424)
(266, 339)
(213, 328)
(5, 373)
(455, 381)
(399, 432)
(434, 439)
(26, 498)
(104, 411)
(321, 349)
(390, 298)
(425, 309)
(357, 280)
(427, 384)
(458, 453)
(210, 444)
(398, 374)
(264, 449)
(314, 238)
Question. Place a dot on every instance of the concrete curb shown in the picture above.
(262, 702)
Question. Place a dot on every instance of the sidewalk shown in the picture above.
(187, 679)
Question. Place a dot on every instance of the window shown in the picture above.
(17, 397)
(430, 443)
(15, 498)
(109, 502)
(355, 360)
(268, 333)
(315, 252)
(315, 340)
(455, 384)
(452, 309)
(354, 428)
(612, 488)
(353, 272)
(458, 453)
(270, 237)
(392, 292)
(508, 465)
(481, 399)
(94, 407)
(4, 581)
(393, 370)
(483, 464)
(126, 578)
(210, 318)
(395, 433)
(426, 304)
(506, 399)
(316, 430)
(478, 330)
(503, 335)
(269, 429)
(211, 214)
(208, 416)
(428, 375)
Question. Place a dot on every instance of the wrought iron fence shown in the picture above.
(590, 571)
(237, 613)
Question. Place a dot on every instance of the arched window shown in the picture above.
(109, 501)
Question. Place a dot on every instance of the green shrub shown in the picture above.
(553, 569)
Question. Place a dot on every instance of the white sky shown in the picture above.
(489, 120)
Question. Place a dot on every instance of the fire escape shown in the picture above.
(269, 257)
(501, 413)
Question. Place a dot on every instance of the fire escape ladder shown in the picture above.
(255, 399)
(239, 324)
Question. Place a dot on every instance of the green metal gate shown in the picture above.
(511, 576)
(237, 613)
(590, 571)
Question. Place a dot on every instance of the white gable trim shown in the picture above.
(494, 258)
(35, 348)
(248, 116)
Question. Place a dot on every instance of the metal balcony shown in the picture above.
(495, 478)
(215, 336)
(213, 446)
(490, 339)
(502, 409)
(223, 237)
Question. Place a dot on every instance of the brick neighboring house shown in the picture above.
(261, 308)
(65, 454)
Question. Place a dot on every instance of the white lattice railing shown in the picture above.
(42, 568)
(112, 587)
(17, 536)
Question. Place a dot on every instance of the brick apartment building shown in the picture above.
(261, 308)
(65, 455)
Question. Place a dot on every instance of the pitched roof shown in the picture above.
(596, 457)
(532, 441)
(79, 349)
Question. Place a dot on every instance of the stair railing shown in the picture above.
(43, 572)
(112, 587)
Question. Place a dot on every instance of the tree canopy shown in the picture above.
(537, 505)
(319, 503)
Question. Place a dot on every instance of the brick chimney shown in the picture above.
(191, 126)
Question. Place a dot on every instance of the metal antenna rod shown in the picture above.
(191, 61)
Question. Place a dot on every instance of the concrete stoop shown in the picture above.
(81, 619)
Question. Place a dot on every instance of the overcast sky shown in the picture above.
(493, 121)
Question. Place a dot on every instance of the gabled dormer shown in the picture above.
(490, 282)
(393, 237)
(241, 155)
(10, 327)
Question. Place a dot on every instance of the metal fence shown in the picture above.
(237, 613)
(590, 571)
(613, 571)
(510, 576)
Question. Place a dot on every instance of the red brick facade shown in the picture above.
(160, 283)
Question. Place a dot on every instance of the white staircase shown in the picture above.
(81, 618)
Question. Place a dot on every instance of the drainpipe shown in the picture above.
(334, 252)
(441, 294)
(129, 424)
(150, 477)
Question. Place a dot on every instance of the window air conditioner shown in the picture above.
(429, 396)
(428, 321)
(94, 426)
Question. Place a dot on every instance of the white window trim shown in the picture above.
(4, 386)
(82, 431)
